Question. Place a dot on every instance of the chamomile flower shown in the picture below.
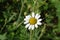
(32, 21)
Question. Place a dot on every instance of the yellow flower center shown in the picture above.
(32, 21)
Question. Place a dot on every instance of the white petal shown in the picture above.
(36, 25)
(32, 27)
(26, 22)
(37, 16)
(39, 19)
(39, 23)
(33, 14)
(25, 19)
(27, 26)
(28, 17)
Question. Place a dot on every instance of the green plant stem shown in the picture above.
(42, 32)
(20, 24)
(4, 25)
(30, 34)
(20, 11)
(7, 21)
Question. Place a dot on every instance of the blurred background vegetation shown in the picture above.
(12, 13)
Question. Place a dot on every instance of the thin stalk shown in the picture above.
(19, 25)
(30, 34)
(20, 10)
(7, 21)
(42, 32)
(4, 25)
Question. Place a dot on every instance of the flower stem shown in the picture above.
(42, 32)
(20, 11)
(4, 25)
(30, 34)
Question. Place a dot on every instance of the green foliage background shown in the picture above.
(13, 12)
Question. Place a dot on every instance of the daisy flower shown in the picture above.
(32, 21)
